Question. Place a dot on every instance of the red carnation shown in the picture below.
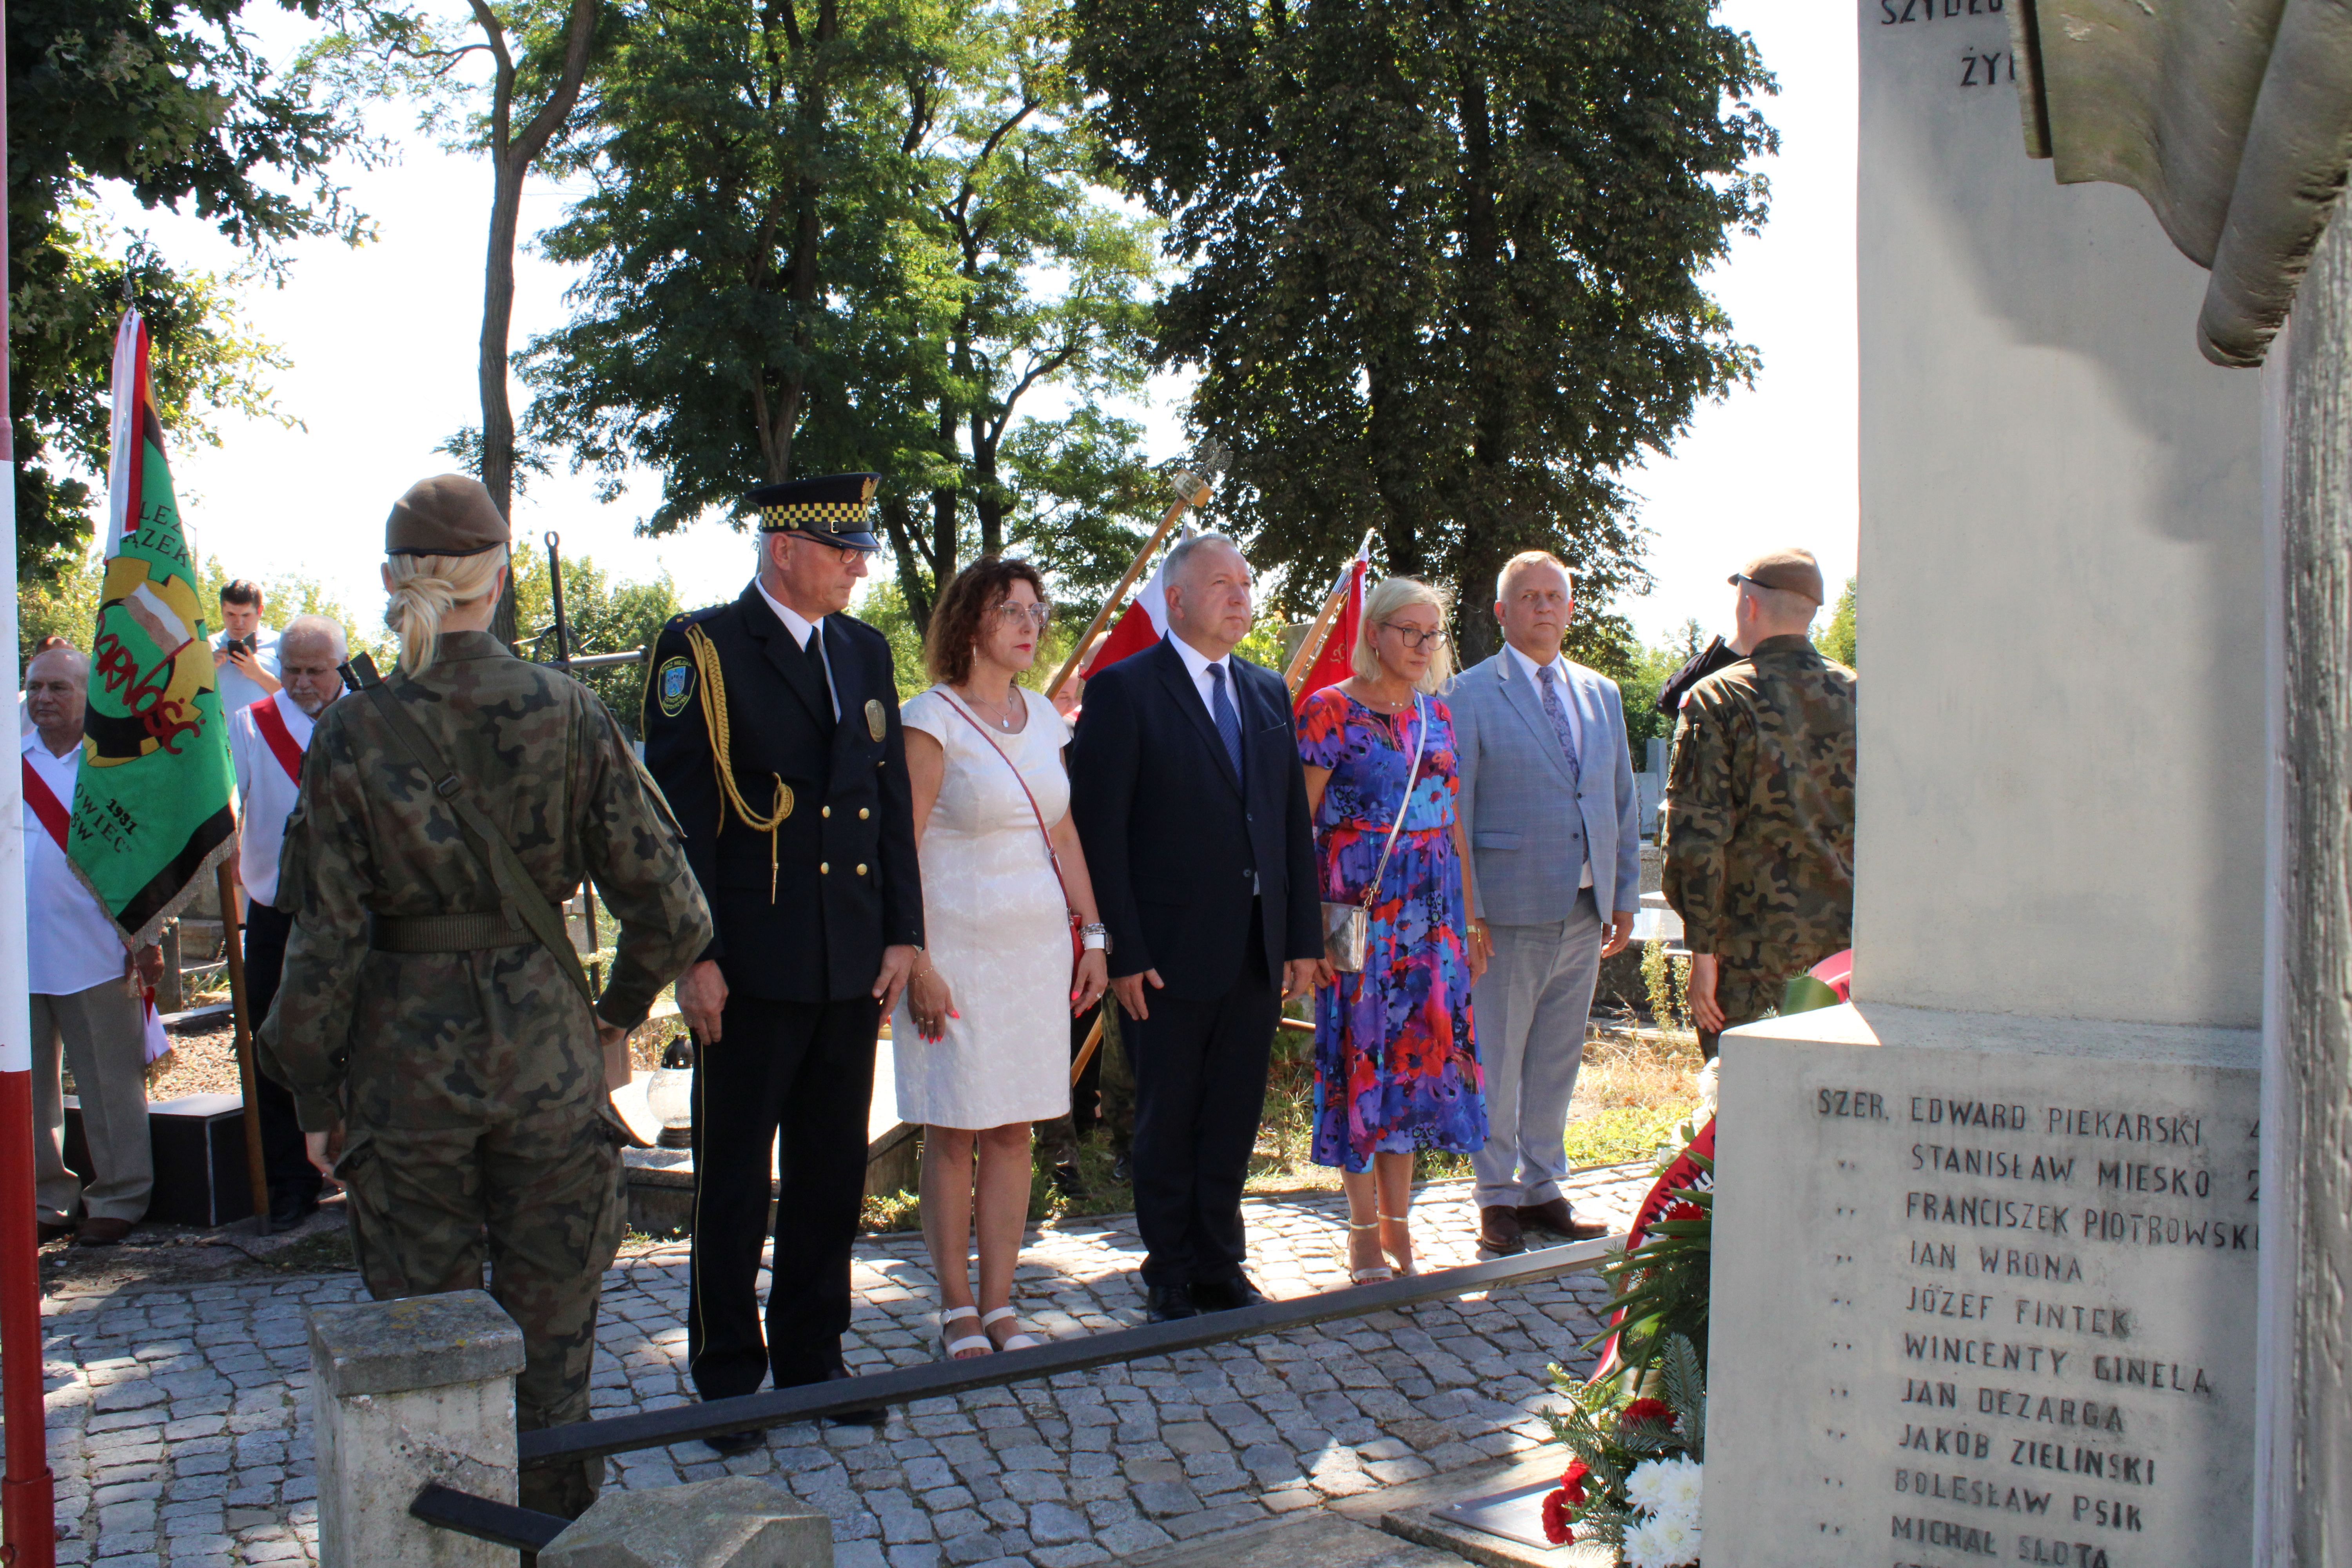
(1571, 1485)
(1686, 1210)
(1555, 1519)
(1654, 1412)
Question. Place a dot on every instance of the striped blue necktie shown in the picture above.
(1228, 723)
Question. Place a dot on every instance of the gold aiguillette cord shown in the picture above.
(713, 695)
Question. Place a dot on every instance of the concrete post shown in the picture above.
(403, 1393)
(2304, 1442)
(734, 1521)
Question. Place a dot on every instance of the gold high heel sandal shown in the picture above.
(1403, 1261)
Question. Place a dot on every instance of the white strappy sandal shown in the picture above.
(1405, 1263)
(1016, 1340)
(953, 1349)
(1375, 1274)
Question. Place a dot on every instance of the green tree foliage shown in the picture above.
(834, 234)
(65, 604)
(169, 100)
(1835, 637)
(602, 616)
(1445, 259)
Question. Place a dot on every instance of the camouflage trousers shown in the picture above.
(541, 1199)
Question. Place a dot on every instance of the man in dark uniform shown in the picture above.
(772, 725)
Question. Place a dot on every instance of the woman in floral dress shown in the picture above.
(1396, 1069)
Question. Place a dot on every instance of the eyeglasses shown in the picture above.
(1413, 636)
(850, 554)
(1013, 614)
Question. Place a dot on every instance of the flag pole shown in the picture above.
(241, 1041)
(1310, 646)
(1118, 595)
(28, 1523)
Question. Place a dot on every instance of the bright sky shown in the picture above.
(382, 344)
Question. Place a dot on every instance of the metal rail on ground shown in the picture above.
(528, 1530)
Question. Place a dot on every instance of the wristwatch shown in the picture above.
(1094, 938)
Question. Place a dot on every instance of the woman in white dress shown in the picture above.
(982, 1038)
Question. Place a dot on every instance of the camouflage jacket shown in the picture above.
(452, 1040)
(1758, 826)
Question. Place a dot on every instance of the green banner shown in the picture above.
(150, 809)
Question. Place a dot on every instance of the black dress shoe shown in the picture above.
(1068, 1182)
(1122, 1171)
(727, 1444)
(1225, 1295)
(290, 1209)
(878, 1416)
(1166, 1303)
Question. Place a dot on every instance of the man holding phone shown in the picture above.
(245, 652)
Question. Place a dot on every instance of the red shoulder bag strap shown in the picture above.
(1077, 940)
(45, 803)
(271, 724)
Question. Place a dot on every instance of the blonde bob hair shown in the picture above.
(424, 588)
(1388, 595)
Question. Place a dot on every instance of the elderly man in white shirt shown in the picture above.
(80, 981)
(268, 741)
(245, 652)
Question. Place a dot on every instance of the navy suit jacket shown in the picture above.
(1174, 841)
(845, 881)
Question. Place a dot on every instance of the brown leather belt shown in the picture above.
(445, 933)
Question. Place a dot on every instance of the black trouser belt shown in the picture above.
(445, 933)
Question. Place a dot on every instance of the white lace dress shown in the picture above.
(995, 922)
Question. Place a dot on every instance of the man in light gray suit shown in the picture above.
(1548, 799)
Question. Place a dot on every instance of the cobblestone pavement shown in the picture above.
(178, 1427)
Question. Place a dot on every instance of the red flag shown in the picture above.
(1144, 622)
(1336, 660)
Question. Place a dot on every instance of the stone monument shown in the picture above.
(1987, 1248)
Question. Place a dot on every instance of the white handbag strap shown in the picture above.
(1411, 778)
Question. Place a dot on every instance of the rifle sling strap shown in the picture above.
(489, 845)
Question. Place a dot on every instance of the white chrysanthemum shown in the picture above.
(1674, 1538)
(1674, 1488)
(1642, 1486)
(1643, 1549)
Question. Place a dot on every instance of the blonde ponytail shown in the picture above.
(427, 587)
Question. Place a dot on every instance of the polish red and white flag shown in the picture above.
(1143, 623)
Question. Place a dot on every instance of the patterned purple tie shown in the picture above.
(1546, 678)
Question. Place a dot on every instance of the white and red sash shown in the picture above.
(271, 724)
(45, 803)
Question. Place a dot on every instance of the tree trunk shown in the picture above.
(987, 499)
(1488, 522)
(498, 316)
(898, 523)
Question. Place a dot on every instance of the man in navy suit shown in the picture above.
(1192, 804)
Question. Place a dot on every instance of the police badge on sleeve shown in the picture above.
(673, 685)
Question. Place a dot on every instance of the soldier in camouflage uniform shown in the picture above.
(1758, 828)
(418, 1011)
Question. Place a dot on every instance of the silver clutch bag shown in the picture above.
(1344, 926)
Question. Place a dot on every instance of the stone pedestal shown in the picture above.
(406, 1393)
(2014, 1263)
(734, 1521)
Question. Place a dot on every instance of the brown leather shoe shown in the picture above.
(1498, 1230)
(1553, 1215)
(102, 1232)
(43, 1230)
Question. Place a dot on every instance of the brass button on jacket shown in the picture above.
(861, 870)
(823, 868)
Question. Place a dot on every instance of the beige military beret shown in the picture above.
(449, 514)
(1791, 571)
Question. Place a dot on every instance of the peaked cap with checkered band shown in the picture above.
(831, 507)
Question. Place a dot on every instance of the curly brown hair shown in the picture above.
(955, 620)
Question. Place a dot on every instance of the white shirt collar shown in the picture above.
(32, 745)
(1528, 667)
(800, 626)
(299, 724)
(1196, 663)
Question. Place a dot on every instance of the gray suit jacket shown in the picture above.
(1530, 831)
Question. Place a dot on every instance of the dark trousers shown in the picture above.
(799, 1076)
(283, 1159)
(1200, 1094)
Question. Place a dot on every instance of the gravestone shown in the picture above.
(1985, 1253)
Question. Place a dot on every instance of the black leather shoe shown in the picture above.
(878, 1416)
(1122, 1171)
(1068, 1182)
(727, 1444)
(287, 1210)
(1166, 1303)
(1226, 1295)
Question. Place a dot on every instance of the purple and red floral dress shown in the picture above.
(1396, 1069)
